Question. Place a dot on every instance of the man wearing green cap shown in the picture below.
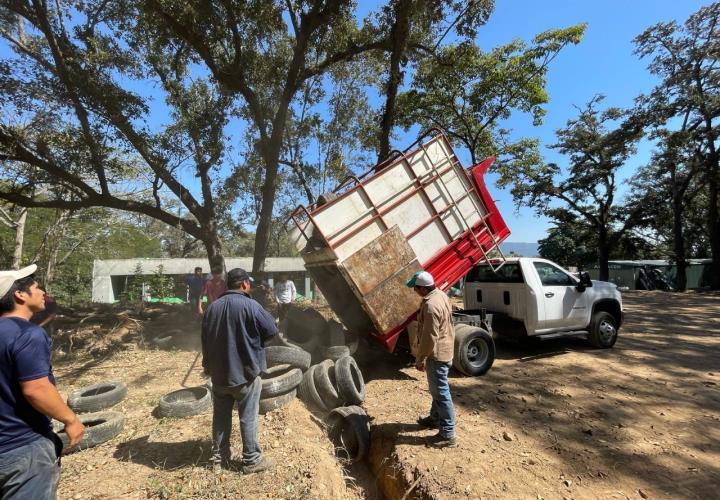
(434, 345)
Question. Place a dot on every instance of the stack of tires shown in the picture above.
(286, 365)
(333, 387)
(89, 403)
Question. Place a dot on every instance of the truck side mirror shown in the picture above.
(585, 281)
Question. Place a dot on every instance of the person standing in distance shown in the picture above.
(194, 284)
(235, 330)
(212, 289)
(435, 346)
(285, 294)
(29, 449)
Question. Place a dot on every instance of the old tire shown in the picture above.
(324, 378)
(99, 428)
(281, 383)
(165, 342)
(308, 393)
(270, 404)
(603, 330)
(349, 379)
(474, 350)
(306, 328)
(293, 356)
(97, 397)
(185, 402)
(336, 352)
(349, 430)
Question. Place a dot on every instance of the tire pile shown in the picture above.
(332, 388)
(89, 403)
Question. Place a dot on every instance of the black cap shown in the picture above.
(238, 275)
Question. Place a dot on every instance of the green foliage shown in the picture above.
(132, 292)
(161, 286)
(469, 92)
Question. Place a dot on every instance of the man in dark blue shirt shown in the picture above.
(29, 450)
(195, 284)
(234, 332)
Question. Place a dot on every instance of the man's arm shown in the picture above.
(44, 397)
(265, 324)
(293, 292)
(428, 336)
(47, 320)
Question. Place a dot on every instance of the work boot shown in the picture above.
(219, 465)
(440, 441)
(263, 464)
(427, 422)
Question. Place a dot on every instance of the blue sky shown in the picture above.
(602, 63)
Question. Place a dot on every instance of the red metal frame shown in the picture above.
(452, 262)
(458, 258)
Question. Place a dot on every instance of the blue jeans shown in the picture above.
(442, 409)
(31, 471)
(248, 400)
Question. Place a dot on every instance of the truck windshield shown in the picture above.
(509, 273)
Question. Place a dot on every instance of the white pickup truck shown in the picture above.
(531, 297)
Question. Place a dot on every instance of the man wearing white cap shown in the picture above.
(29, 449)
(435, 343)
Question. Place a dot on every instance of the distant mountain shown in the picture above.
(520, 249)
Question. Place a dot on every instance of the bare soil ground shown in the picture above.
(168, 458)
(561, 419)
(551, 420)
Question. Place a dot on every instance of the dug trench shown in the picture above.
(552, 420)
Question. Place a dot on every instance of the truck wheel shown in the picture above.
(603, 330)
(474, 350)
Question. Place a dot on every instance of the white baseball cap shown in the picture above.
(7, 278)
(421, 278)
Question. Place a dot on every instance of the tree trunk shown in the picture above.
(19, 238)
(603, 255)
(679, 247)
(262, 232)
(714, 225)
(399, 34)
(213, 246)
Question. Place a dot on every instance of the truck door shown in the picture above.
(565, 307)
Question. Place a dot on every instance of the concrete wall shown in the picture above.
(103, 270)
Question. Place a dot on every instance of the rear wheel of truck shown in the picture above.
(474, 350)
(603, 330)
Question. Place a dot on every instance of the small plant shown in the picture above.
(161, 286)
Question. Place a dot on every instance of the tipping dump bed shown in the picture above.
(417, 210)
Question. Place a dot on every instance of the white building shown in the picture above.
(109, 276)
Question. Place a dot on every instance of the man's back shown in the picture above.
(234, 330)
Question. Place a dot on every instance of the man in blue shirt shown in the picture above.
(195, 284)
(29, 450)
(234, 332)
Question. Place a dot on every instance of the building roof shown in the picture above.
(125, 267)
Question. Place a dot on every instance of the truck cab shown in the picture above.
(532, 297)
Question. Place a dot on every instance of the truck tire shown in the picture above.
(280, 383)
(185, 402)
(474, 350)
(269, 404)
(324, 378)
(308, 393)
(349, 430)
(99, 428)
(603, 330)
(97, 397)
(349, 379)
(336, 352)
(293, 356)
